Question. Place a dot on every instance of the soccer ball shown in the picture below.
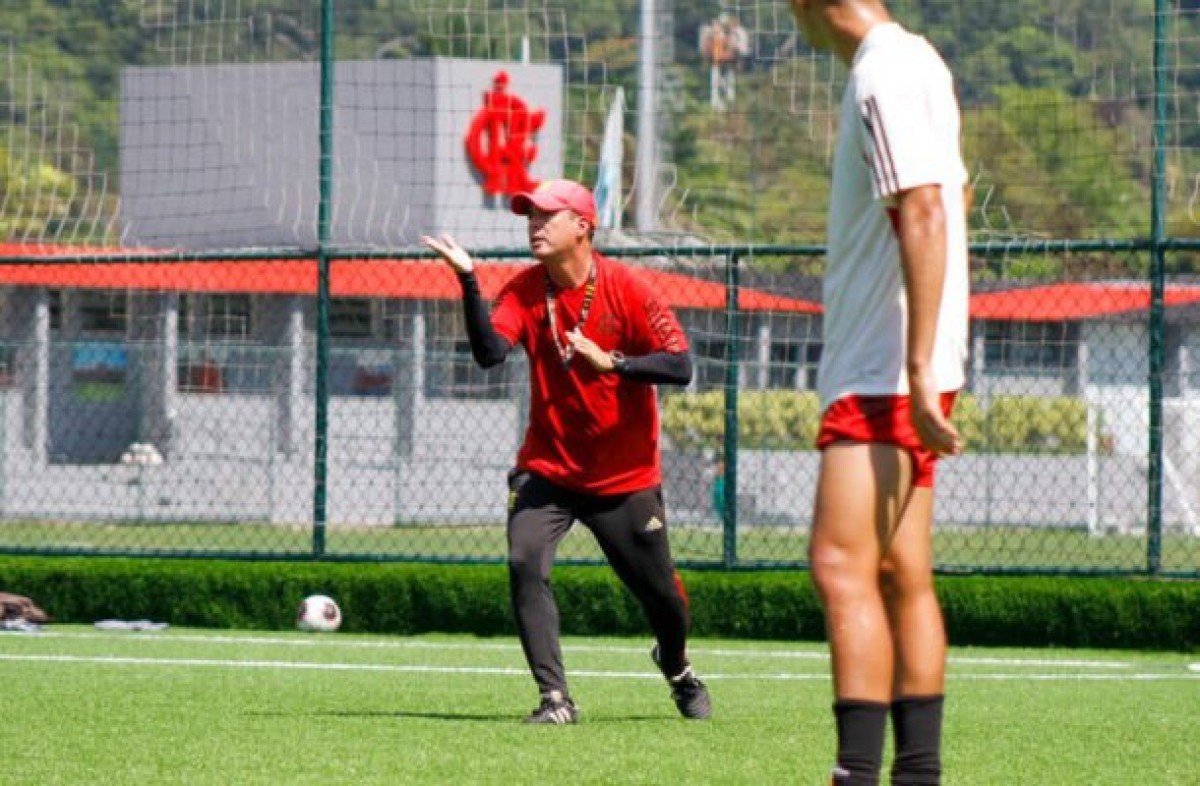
(319, 613)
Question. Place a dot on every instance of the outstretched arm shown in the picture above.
(487, 346)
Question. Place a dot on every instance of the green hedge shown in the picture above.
(788, 420)
(405, 598)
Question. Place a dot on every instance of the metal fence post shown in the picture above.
(1154, 474)
(325, 184)
(729, 516)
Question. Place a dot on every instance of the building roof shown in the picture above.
(1067, 302)
(379, 278)
(431, 280)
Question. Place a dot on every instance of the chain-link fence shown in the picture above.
(219, 334)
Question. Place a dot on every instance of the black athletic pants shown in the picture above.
(631, 530)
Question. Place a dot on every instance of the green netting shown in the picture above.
(175, 378)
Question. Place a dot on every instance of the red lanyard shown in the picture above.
(568, 351)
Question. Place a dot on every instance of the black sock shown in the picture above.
(860, 726)
(917, 724)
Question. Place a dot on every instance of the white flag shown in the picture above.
(608, 175)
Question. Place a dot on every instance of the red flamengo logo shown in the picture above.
(500, 140)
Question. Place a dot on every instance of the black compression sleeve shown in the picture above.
(487, 346)
(669, 368)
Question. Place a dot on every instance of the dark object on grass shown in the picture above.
(18, 607)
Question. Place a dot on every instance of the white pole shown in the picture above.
(1093, 471)
(764, 355)
(1091, 441)
(169, 374)
(41, 378)
(1185, 371)
(983, 395)
(647, 127)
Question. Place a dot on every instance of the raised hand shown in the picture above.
(454, 254)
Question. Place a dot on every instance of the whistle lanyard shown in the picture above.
(568, 351)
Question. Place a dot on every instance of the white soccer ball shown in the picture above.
(319, 613)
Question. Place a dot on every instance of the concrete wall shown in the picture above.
(246, 455)
(226, 463)
(226, 156)
(1106, 494)
(226, 466)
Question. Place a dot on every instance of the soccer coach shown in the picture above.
(598, 338)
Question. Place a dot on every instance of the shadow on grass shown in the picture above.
(450, 716)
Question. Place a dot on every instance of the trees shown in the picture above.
(1051, 162)
(1056, 96)
(35, 198)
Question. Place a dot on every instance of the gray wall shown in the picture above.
(246, 454)
(226, 465)
(226, 156)
(976, 490)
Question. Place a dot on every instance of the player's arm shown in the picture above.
(922, 235)
(487, 346)
(657, 368)
(654, 368)
(661, 355)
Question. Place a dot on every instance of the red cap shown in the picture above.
(555, 195)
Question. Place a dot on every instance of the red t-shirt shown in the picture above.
(589, 431)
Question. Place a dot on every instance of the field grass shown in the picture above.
(996, 547)
(225, 707)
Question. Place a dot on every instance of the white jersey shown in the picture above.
(899, 129)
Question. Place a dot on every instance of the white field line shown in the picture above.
(284, 665)
(326, 640)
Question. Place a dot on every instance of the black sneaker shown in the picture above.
(689, 693)
(555, 709)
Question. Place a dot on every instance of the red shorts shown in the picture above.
(883, 419)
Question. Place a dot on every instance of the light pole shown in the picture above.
(647, 127)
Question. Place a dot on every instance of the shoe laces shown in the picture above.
(687, 681)
(555, 699)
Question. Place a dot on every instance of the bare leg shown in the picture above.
(915, 618)
(860, 499)
(860, 494)
(919, 638)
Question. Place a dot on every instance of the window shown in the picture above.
(373, 358)
(812, 363)
(1031, 346)
(397, 321)
(216, 353)
(794, 364)
(8, 349)
(708, 358)
(450, 369)
(8, 365)
(56, 310)
(103, 313)
(228, 316)
(784, 367)
(350, 318)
